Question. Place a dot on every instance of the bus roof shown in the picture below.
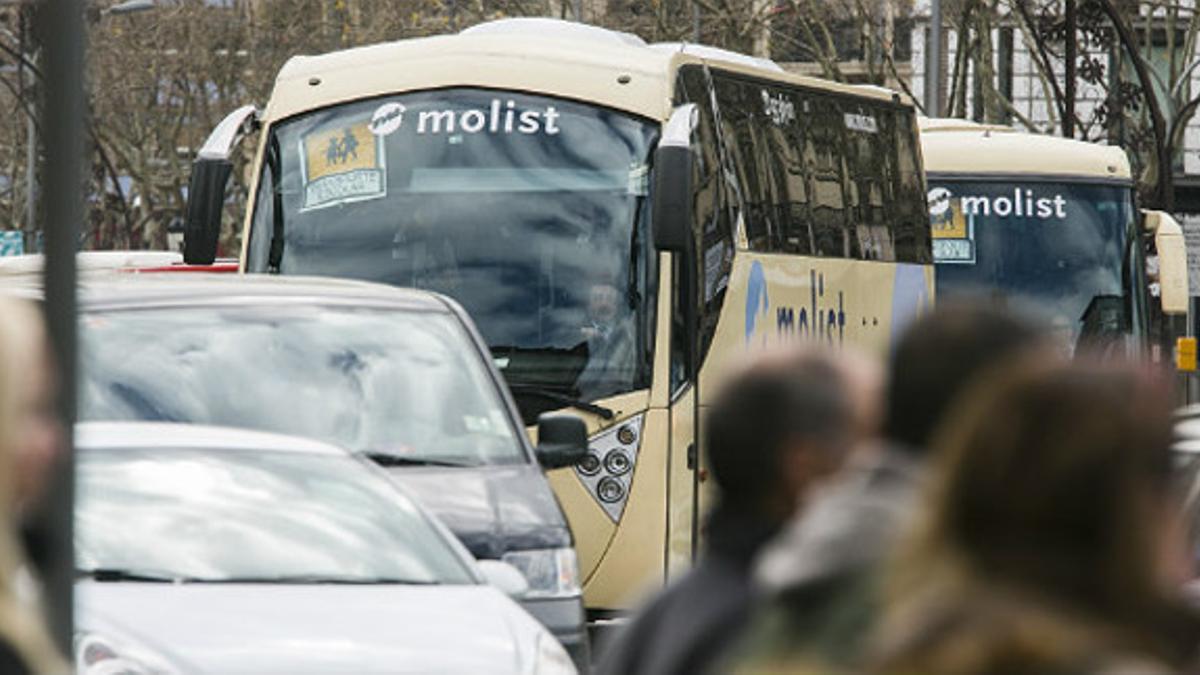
(532, 55)
(968, 148)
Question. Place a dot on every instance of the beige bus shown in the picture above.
(1051, 224)
(621, 220)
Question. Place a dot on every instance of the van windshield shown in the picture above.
(530, 211)
(403, 385)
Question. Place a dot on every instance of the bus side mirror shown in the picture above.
(1172, 261)
(672, 211)
(206, 199)
(562, 441)
(206, 188)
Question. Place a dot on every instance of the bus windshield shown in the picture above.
(530, 211)
(1054, 247)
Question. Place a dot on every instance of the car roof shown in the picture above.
(171, 436)
(133, 290)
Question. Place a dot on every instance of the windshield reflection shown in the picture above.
(1056, 247)
(245, 515)
(407, 384)
(530, 211)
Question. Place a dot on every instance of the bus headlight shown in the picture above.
(608, 469)
(551, 572)
(590, 464)
(610, 490)
(617, 462)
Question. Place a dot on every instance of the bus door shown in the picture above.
(699, 289)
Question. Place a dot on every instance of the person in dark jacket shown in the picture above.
(820, 576)
(770, 433)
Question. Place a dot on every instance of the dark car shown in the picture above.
(399, 376)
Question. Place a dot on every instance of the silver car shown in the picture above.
(209, 550)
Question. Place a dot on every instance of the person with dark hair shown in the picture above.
(770, 432)
(820, 576)
(1045, 543)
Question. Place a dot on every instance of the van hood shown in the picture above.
(491, 509)
(300, 629)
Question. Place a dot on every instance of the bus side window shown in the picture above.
(826, 171)
(738, 121)
(868, 155)
(910, 213)
(789, 152)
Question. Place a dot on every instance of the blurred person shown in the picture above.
(772, 430)
(820, 576)
(31, 428)
(1047, 541)
(30, 441)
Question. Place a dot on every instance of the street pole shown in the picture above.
(1069, 86)
(696, 23)
(577, 7)
(59, 26)
(31, 141)
(933, 61)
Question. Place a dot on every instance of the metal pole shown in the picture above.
(31, 141)
(933, 61)
(577, 8)
(59, 26)
(696, 23)
(1069, 84)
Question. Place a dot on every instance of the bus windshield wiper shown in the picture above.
(122, 574)
(586, 406)
(384, 458)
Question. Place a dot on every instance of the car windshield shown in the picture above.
(529, 210)
(245, 515)
(410, 385)
(1057, 247)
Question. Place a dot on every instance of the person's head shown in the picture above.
(30, 435)
(938, 357)
(603, 302)
(775, 427)
(1054, 480)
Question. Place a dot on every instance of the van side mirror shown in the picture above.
(206, 188)
(1172, 260)
(562, 441)
(672, 210)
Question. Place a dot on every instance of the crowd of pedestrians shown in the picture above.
(982, 505)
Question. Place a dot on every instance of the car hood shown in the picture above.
(491, 509)
(299, 629)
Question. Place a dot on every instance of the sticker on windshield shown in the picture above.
(863, 123)
(953, 234)
(342, 164)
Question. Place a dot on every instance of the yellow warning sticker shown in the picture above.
(953, 234)
(952, 224)
(342, 164)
